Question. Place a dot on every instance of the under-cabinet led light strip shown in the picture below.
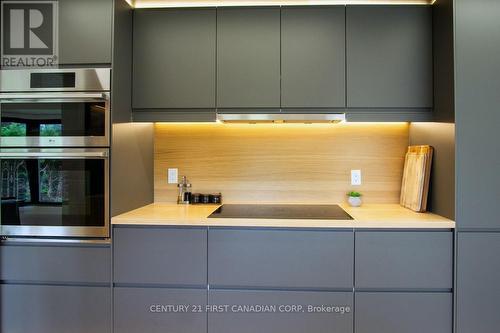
(229, 3)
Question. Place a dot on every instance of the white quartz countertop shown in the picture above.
(376, 216)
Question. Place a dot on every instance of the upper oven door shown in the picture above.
(54, 119)
(54, 192)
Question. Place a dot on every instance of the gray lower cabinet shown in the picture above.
(313, 57)
(174, 59)
(389, 57)
(280, 258)
(54, 309)
(160, 255)
(478, 276)
(155, 310)
(248, 57)
(392, 312)
(266, 311)
(404, 260)
(85, 32)
(55, 263)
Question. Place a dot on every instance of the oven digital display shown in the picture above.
(53, 80)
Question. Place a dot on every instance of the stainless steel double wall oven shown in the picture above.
(54, 152)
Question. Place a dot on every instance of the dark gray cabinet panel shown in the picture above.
(174, 58)
(313, 57)
(278, 320)
(389, 57)
(477, 81)
(404, 260)
(403, 312)
(478, 290)
(51, 309)
(248, 57)
(139, 310)
(281, 258)
(55, 263)
(85, 31)
(167, 256)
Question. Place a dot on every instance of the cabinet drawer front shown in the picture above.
(55, 263)
(139, 310)
(279, 258)
(403, 312)
(404, 260)
(50, 309)
(273, 316)
(167, 256)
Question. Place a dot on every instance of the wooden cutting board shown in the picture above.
(416, 178)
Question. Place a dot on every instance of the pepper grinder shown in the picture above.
(184, 192)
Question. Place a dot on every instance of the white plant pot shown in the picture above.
(355, 201)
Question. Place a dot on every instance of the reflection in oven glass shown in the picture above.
(52, 192)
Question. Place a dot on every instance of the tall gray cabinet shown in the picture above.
(389, 57)
(477, 73)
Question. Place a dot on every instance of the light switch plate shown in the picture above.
(355, 177)
(173, 176)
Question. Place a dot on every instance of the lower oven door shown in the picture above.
(54, 192)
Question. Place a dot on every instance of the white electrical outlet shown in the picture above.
(355, 177)
(173, 176)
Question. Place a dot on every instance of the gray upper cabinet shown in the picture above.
(389, 57)
(280, 258)
(85, 32)
(248, 57)
(174, 59)
(313, 57)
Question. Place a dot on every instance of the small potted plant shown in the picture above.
(354, 199)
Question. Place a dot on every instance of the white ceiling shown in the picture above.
(221, 3)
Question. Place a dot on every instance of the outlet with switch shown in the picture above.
(355, 177)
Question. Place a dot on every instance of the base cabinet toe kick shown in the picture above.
(196, 279)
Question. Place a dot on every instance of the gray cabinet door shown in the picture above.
(280, 258)
(477, 81)
(276, 314)
(54, 309)
(155, 310)
(85, 32)
(478, 288)
(164, 256)
(248, 57)
(404, 260)
(52, 263)
(174, 58)
(403, 313)
(389, 57)
(313, 57)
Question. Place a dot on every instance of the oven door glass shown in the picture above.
(56, 196)
(54, 122)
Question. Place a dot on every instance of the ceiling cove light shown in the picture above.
(229, 3)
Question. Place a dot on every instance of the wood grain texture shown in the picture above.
(416, 178)
(282, 163)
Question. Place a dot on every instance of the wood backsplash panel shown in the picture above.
(282, 163)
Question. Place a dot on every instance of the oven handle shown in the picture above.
(67, 97)
(54, 155)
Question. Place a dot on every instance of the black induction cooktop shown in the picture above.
(300, 212)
